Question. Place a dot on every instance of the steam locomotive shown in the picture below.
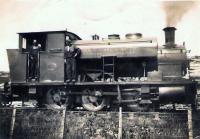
(134, 72)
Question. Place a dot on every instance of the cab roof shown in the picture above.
(59, 31)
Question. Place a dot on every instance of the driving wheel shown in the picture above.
(94, 101)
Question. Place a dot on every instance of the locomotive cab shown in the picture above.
(50, 59)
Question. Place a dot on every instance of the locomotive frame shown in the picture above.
(134, 73)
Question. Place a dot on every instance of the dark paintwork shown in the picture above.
(17, 64)
(52, 67)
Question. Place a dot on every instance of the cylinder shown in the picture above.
(175, 94)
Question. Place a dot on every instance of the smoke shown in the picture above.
(175, 10)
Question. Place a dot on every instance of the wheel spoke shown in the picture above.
(96, 103)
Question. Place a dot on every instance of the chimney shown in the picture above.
(169, 36)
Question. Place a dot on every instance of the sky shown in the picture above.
(88, 17)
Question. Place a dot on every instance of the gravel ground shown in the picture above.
(33, 123)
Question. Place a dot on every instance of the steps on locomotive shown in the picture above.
(108, 67)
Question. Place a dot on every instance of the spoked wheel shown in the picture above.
(56, 98)
(93, 102)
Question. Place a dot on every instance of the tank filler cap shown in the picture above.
(114, 37)
(133, 36)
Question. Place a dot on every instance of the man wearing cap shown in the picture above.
(70, 55)
(33, 60)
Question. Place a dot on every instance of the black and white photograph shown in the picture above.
(99, 69)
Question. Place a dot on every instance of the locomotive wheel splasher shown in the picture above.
(93, 102)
